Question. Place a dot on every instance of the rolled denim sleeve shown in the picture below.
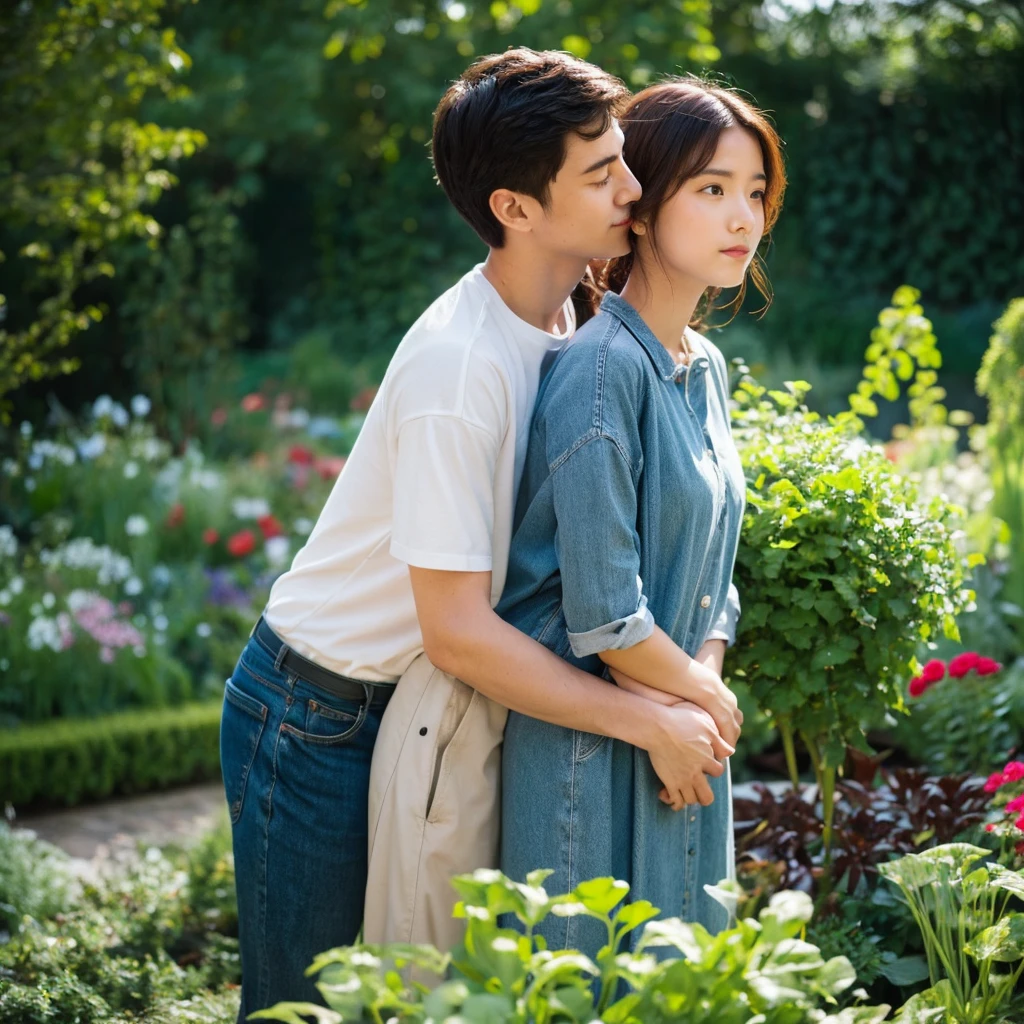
(725, 627)
(598, 549)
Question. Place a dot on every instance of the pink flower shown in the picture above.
(210, 536)
(219, 416)
(990, 827)
(934, 671)
(1013, 771)
(995, 780)
(987, 667)
(1019, 823)
(329, 466)
(176, 516)
(917, 686)
(963, 663)
(254, 402)
(106, 655)
(1016, 805)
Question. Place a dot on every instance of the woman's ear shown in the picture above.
(638, 227)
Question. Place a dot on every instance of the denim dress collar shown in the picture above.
(634, 323)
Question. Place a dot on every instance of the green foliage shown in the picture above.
(974, 945)
(77, 167)
(34, 878)
(760, 969)
(1001, 381)
(135, 945)
(69, 762)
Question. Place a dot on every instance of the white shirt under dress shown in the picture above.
(431, 482)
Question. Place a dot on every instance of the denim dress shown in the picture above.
(628, 515)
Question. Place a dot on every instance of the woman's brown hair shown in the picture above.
(672, 131)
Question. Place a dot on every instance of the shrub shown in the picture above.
(34, 878)
(846, 572)
(75, 761)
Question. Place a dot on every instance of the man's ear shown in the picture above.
(513, 210)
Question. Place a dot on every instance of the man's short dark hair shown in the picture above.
(504, 124)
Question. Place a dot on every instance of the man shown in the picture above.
(409, 553)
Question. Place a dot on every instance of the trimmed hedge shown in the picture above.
(76, 760)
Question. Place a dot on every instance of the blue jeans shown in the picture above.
(296, 766)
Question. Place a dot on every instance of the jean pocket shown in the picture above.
(329, 726)
(584, 744)
(241, 726)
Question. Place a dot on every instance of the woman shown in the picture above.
(628, 521)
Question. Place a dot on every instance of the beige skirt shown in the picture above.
(435, 805)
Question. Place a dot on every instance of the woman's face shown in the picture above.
(708, 232)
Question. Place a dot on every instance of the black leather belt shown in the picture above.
(289, 660)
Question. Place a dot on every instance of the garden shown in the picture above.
(203, 279)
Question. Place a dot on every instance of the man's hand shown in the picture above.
(688, 748)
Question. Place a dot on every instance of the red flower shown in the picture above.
(1019, 848)
(1019, 823)
(1016, 805)
(254, 402)
(176, 516)
(987, 667)
(219, 416)
(269, 526)
(933, 671)
(210, 536)
(994, 782)
(329, 466)
(990, 827)
(917, 686)
(963, 663)
(1013, 771)
(300, 455)
(242, 543)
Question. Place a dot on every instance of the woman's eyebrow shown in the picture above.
(717, 173)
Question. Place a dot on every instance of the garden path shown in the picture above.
(100, 832)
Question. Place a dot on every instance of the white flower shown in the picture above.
(102, 406)
(49, 601)
(133, 586)
(79, 599)
(136, 526)
(5, 598)
(131, 470)
(36, 609)
(11, 468)
(141, 406)
(30, 484)
(323, 426)
(8, 542)
(92, 447)
(207, 479)
(161, 576)
(119, 415)
(160, 622)
(26, 428)
(139, 651)
(203, 629)
(4, 664)
(35, 460)
(303, 526)
(298, 418)
(43, 632)
(250, 508)
(17, 585)
(276, 549)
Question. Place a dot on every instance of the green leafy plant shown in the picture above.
(974, 945)
(760, 970)
(34, 878)
(1001, 381)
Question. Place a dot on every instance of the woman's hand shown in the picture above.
(697, 744)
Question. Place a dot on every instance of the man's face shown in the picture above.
(589, 200)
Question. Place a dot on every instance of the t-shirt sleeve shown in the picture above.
(443, 505)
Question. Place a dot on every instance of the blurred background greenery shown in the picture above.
(282, 222)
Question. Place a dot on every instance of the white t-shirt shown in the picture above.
(431, 482)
